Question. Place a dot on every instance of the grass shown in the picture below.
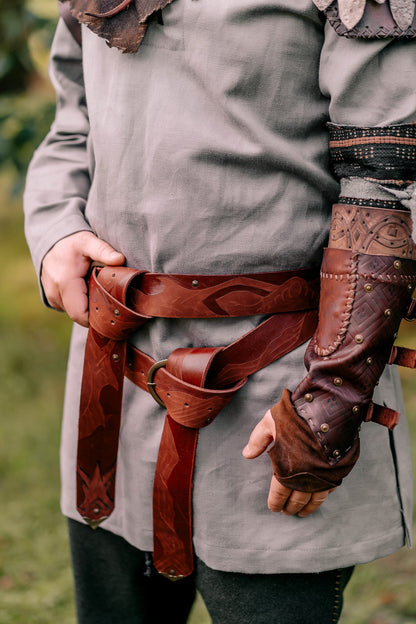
(35, 581)
(35, 577)
(383, 592)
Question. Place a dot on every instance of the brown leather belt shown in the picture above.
(194, 384)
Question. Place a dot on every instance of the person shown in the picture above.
(181, 206)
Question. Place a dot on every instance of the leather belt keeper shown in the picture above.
(194, 384)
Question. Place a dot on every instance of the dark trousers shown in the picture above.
(115, 584)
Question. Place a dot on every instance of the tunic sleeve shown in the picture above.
(369, 82)
(58, 179)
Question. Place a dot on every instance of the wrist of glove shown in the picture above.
(363, 299)
(298, 460)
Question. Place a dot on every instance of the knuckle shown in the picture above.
(279, 498)
(297, 504)
(319, 499)
(299, 501)
(274, 504)
(54, 304)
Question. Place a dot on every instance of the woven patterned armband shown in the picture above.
(386, 154)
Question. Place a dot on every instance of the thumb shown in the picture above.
(100, 251)
(261, 436)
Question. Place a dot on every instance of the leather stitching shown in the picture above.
(341, 333)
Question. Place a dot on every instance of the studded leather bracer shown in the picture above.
(368, 275)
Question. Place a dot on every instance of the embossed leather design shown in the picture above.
(206, 296)
(335, 395)
(371, 230)
(194, 384)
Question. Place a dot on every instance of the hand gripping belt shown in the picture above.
(194, 384)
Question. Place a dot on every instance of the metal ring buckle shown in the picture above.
(150, 383)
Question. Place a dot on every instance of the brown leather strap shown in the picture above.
(401, 356)
(172, 489)
(172, 501)
(179, 383)
(212, 296)
(382, 415)
(172, 513)
(101, 395)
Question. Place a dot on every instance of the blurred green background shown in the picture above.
(35, 576)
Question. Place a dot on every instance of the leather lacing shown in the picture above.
(346, 317)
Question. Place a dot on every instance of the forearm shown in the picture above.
(364, 296)
(368, 271)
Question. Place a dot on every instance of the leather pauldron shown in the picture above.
(122, 23)
(371, 19)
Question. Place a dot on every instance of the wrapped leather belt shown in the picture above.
(194, 384)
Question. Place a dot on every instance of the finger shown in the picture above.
(317, 499)
(101, 251)
(261, 436)
(51, 292)
(55, 302)
(278, 495)
(75, 300)
(296, 502)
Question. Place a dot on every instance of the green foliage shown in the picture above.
(23, 124)
(16, 26)
(24, 120)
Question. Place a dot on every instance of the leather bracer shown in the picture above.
(368, 275)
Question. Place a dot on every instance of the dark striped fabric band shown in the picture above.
(372, 203)
(386, 154)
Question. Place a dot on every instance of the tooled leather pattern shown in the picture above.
(340, 386)
(175, 296)
(112, 320)
(99, 426)
(172, 501)
(371, 19)
(372, 230)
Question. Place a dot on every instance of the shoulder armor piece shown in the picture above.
(371, 19)
(122, 23)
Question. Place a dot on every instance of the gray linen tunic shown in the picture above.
(207, 152)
